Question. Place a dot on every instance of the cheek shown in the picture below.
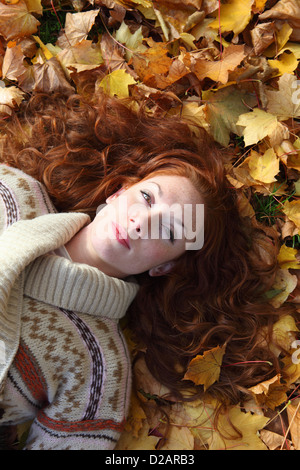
(159, 252)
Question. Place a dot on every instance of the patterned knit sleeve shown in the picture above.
(21, 197)
(77, 374)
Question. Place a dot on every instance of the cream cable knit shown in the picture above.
(20, 244)
(67, 365)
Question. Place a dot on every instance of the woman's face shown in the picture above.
(145, 227)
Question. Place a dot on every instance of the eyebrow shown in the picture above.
(160, 193)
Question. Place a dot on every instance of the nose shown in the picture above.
(139, 223)
(135, 224)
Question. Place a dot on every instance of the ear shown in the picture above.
(116, 194)
(162, 269)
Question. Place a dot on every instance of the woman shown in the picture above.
(188, 300)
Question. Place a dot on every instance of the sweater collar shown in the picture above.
(78, 287)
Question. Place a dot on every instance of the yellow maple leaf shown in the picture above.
(281, 38)
(205, 369)
(34, 6)
(179, 438)
(285, 283)
(116, 83)
(144, 442)
(247, 424)
(48, 54)
(292, 210)
(294, 423)
(287, 258)
(192, 112)
(286, 63)
(264, 167)
(234, 16)
(258, 125)
(284, 332)
(260, 4)
(133, 42)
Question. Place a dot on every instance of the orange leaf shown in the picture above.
(205, 370)
(218, 70)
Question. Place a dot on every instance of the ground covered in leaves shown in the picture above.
(232, 67)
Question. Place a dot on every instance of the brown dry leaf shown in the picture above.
(177, 70)
(85, 55)
(285, 102)
(205, 369)
(270, 393)
(13, 63)
(16, 21)
(284, 10)
(146, 382)
(273, 440)
(287, 227)
(279, 134)
(77, 28)
(112, 54)
(294, 423)
(176, 17)
(284, 150)
(245, 208)
(10, 98)
(49, 77)
(218, 70)
(263, 387)
(262, 36)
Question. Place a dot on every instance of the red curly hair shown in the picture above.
(83, 152)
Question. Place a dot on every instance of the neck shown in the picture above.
(80, 251)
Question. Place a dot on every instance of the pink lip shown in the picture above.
(121, 235)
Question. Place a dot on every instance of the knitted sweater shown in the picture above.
(64, 363)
